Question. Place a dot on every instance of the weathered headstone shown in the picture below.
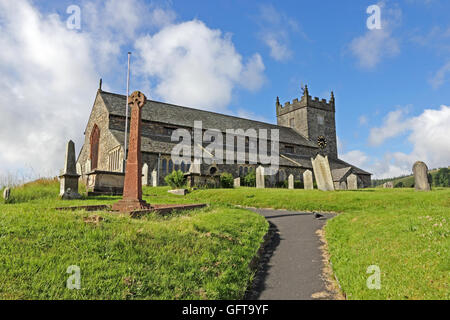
(322, 172)
(308, 180)
(68, 180)
(352, 182)
(154, 178)
(145, 174)
(260, 183)
(291, 181)
(420, 171)
(6, 194)
(132, 190)
(388, 185)
(237, 182)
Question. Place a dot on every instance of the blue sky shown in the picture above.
(391, 85)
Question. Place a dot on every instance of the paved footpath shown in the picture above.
(291, 268)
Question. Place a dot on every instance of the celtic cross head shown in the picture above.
(137, 99)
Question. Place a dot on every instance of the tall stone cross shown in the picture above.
(132, 189)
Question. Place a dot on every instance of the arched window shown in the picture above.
(95, 143)
(176, 167)
(170, 166)
(164, 166)
(240, 172)
(188, 166)
(245, 171)
(182, 167)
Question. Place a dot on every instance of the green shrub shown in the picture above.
(175, 179)
(250, 178)
(226, 180)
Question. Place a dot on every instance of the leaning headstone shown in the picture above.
(260, 177)
(237, 182)
(145, 174)
(6, 194)
(308, 180)
(291, 181)
(322, 172)
(388, 185)
(420, 171)
(154, 178)
(68, 180)
(352, 182)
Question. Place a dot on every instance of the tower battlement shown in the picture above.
(305, 101)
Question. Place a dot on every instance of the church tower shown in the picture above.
(312, 118)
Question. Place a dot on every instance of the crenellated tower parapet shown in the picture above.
(313, 118)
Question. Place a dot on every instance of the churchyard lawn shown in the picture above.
(205, 254)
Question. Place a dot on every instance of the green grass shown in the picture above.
(205, 254)
(202, 254)
(404, 232)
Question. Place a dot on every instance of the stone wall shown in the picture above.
(99, 116)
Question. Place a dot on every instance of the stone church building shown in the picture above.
(306, 127)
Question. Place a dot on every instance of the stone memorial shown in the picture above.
(420, 171)
(322, 172)
(260, 182)
(237, 182)
(145, 174)
(154, 178)
(308, 180)
(132, 189)
(68, 180)
(388, 185)
(6, 194)
(291, 181)
(352, 182)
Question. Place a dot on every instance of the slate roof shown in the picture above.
(184, 116)
(339, 174)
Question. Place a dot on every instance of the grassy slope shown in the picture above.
(202, 254)
(405, 233)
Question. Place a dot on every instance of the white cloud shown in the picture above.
(196, 66)
(427, 134)
(370, 48)
(440, 76)
(46, 89)
(275, 30)
(355, 157)
(394, 124)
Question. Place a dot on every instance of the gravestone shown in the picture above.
(6, 194)
(68, 180)
(154, 178)
(388, 185)
(260, 183)
(420, 171)
(322, 172)
(195, 167)
(308, 180)
(291, 181)
(237, 182)
(132, 189)
(352, 182)
(145, 174)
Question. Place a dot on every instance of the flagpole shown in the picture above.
(126, 112)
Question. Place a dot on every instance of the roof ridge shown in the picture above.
(201, 110)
